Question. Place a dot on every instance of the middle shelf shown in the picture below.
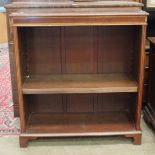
(79, 83)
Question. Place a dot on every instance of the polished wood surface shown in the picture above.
(74, 4)
(79, 50)
(80, 103)
(141, 76)
(83, 21)
(78, 12)
(80, 123)
(12, 65)
(100, 83)
(33, 5)
(80, 69)
(19, 76)
(26, 137)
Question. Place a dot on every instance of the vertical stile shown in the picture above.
(141, 75)
(19, 78)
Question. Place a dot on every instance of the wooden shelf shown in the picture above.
(79, 83)
(80, 123)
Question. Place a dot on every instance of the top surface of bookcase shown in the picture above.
(37, 1)
(74, 3)
(68, 0)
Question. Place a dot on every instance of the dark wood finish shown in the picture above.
(149, 110)
(136, 138)
(24, 141)
(136, 135)
(58, 4)
(70, 58)
(81, 83)
(141, 76)
(19, 75)
(12, 67)
(66, 17)
(80, 123)
(78, 103)
(79, 67)
(79, 57)
(73, 4)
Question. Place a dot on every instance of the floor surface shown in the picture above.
(8, 124)
(82, 146)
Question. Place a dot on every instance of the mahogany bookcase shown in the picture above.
(80, 70)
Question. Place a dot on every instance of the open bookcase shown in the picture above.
(79, 73)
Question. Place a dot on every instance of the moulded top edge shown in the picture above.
(78, 12)
(75, 4)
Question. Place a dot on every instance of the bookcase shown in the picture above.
(80, 70)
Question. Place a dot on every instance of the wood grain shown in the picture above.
(84, 67)
(74, 4)
(19, 78)
(75, 123)
(101, 83)
(84, 16)
(79, 103)
(141, 76)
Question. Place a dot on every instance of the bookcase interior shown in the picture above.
(79, 79)
(78, 113)
(79, 50)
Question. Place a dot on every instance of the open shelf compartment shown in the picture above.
(80, 113)
(79, 59)
(80, 123)
(80, 80)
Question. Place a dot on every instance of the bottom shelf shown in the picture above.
(76, 123)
